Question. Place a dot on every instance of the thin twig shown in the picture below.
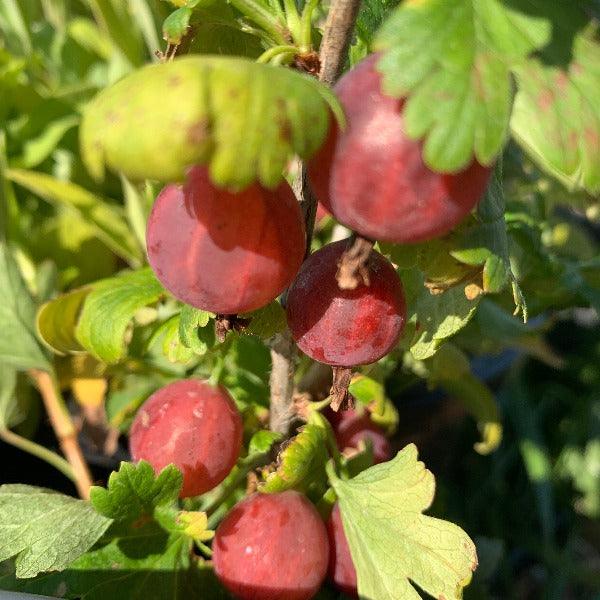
(332, 55)
(65, 431)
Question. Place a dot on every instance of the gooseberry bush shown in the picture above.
(270, 213)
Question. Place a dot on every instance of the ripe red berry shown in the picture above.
(341, 568)
(193, 425)
(345, 327)
(372, 177)
(351, 427)
(272, 547)
(223, 252)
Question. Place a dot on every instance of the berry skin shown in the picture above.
(350, 427)
(341, 568)
(272, 547)
(344, 328)
(223, 252)
(372, 177)
(193, 425)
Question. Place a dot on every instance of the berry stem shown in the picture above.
(352, 268)
(64, 429)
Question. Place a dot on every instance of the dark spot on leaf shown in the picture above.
(234, 93)
(576, 68)
(112, 117)
(143, 520)
(562, 80)
(174, 80)
(280, 104)
(198, 132)
(545, 100)
(285, 131)
(592, 139)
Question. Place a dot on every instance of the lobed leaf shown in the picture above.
(556, 115)
(46, 531)
(394, 545)
(453, 59)
(134, 491)
(244, 119)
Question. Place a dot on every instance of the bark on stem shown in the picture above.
(64, 430)
(332, 54)
(281, 381)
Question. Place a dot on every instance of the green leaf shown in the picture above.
(18, 345)
(371, 393)
(392, 543)
(122, 403)
(486, 242)
(11, 412)
(38, 149)
(57, 320)
(244, 119)
(302, 461)
(434, 317)
(176, 25)
(453, 59)
(109, 308)
(137, 209)
(134, 491)
(556, 116)
(194, 331)
(267, 321)
(172, 346)
(262, 441)
(143, 563)
(117, 21)
(107, 220)
(46, 531)
(217, 29)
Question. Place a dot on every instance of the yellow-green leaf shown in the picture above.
(57, 319)
(394, 545)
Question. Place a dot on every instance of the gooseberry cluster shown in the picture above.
(269, 546)
(234, 252)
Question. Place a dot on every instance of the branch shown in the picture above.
(332, 54)
(281, 382)
(61, 422)
(336, 38)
